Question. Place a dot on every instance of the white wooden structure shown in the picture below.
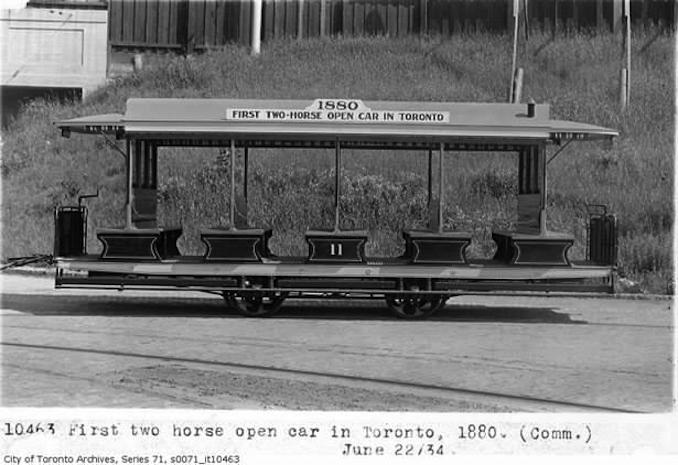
(53, 48)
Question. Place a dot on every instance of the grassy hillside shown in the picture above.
(384, 192)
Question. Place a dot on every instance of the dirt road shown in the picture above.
(109, 349)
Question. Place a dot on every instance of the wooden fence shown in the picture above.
(197, 24)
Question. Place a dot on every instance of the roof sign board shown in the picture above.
(315, 122)
(337, 110)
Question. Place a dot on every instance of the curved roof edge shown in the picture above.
(561, 129)
(110, 123)
(302, 119)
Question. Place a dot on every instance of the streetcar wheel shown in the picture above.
(414, 306)
(255, 303)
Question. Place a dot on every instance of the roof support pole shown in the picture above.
(430, 178)
(244, 177)
(144, 185)
(232, 202)
(541, 150)
(337, 183)
(531, 200)
(441, 180)
(130, 198)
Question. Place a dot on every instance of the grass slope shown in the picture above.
(384, 192)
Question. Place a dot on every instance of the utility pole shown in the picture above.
(323, 13)
(256, 27)
(300, 20)
(627, 17)
(625, 75)
(516, 12)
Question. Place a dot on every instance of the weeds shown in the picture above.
(382, 192)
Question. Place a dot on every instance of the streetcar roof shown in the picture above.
(381, 124)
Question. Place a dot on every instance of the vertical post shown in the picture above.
(137, 163)
(128, 206)
(244, 176)
(441, 180)
(154, 166)
(300, 20)
(616, 15)
(627, 17)
(554, 30)
(138, 62)
(145, 175)
(184, 24)
(509, 15)
(599, 15)
(517, 90)
(622, 89)
(256, 27)
(423, 17)
(543, 188)
(337, 183)
(527, 21)
(516, 9)
(430, 178)
(232, 202)
(576, 24)
(241, 196)
(323, 13)
(643, 13)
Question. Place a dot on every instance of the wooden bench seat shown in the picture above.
(336, 246)
(224, 244)
(532, 249)
(423, 246)
(139, 244)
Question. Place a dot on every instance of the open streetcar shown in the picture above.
(237, 261)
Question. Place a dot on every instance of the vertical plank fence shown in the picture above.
(194, 25)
